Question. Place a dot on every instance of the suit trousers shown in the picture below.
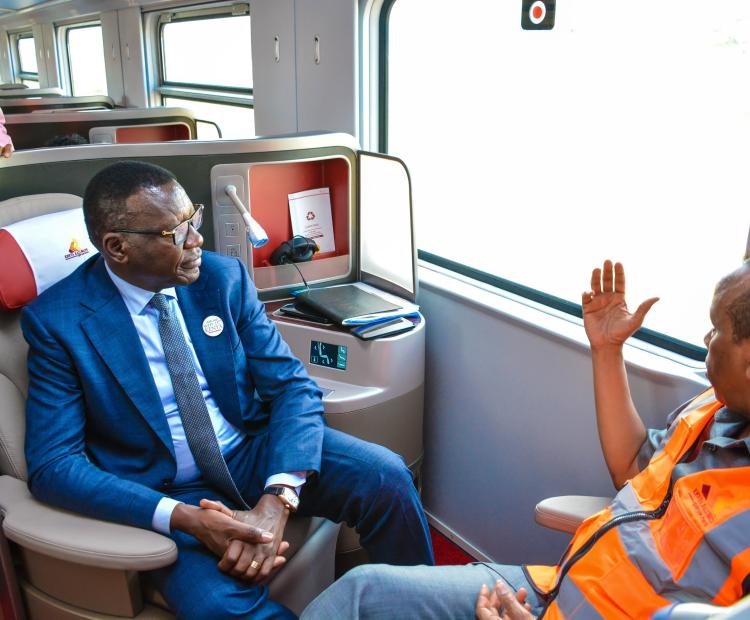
(364, 485)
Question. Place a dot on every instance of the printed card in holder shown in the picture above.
(310, 212)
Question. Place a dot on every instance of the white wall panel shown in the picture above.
(38, 32)
(510, 421)
(6, 70)
(274, 66)
(131, 53)
(112, 58)
(327, 88)
(50, 56)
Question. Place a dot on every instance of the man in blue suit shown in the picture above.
(161, 396)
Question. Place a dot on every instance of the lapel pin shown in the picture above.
(213, 326)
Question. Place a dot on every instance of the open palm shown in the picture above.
(606, 317)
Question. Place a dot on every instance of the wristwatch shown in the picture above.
(287, 496)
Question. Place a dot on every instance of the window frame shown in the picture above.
(218, 94)
(62, 35)
(15, 53)
(644, 334)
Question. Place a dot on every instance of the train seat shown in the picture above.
(63, 565)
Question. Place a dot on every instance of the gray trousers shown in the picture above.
(382, 592)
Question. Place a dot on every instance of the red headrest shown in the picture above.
(38, 252)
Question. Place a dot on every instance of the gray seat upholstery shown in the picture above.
(77, 567)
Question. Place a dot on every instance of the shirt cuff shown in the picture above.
(163, 515)
(293, 479)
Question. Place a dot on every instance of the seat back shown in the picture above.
(13, 348)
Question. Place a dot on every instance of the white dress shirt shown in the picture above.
(146, 322)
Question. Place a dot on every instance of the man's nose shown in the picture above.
(194, 238)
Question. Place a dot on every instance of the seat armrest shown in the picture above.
(566, 512)
(74, 538)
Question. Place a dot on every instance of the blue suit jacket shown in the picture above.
(97, 438)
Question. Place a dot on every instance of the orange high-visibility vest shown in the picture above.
(659, 540)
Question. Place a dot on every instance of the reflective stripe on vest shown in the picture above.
(698, 549)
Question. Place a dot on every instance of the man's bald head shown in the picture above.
(736, 285)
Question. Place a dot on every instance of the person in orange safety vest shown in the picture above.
(678, 529)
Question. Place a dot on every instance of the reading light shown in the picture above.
(255, 233)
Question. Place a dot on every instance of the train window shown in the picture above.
(24, 59)
(84, 52)
(234, 121)
(620, 133)
(205, 65)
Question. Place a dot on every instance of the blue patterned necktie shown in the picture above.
(192, 406)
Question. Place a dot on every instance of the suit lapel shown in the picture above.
(112, 333)
(215, 353)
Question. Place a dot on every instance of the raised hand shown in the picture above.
(502, 604)
(606, 317)
(254, 563)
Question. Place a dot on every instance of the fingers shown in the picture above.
(607, 277)
(521, 595)
(210, 504)
(7, 150)
(231, 556)
(265, 570)
(512, 609)
(619, 278)
(249, 533)
(596, 281)
(587, 297)
(640, 313)
(483, 609)
(283, 547)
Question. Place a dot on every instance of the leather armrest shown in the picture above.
(74, 538)
(565, 513)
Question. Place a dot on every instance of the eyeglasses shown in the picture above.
(179, 233)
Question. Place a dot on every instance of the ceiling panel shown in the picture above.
(17, 5)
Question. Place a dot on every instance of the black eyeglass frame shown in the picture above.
(170, 233)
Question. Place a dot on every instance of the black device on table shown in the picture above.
(294, 311)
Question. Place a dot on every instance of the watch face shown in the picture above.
(291, 497)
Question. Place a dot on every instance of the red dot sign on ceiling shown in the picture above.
(538, 14)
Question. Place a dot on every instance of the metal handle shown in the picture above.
(316, 46)
(276, 49)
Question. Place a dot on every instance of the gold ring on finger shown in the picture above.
(255, 565)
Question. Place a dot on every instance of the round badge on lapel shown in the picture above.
(213, 326)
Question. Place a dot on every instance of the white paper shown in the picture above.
(310, 212)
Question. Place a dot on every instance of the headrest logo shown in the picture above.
(75, 250)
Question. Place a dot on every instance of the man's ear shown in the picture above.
(115, 248)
